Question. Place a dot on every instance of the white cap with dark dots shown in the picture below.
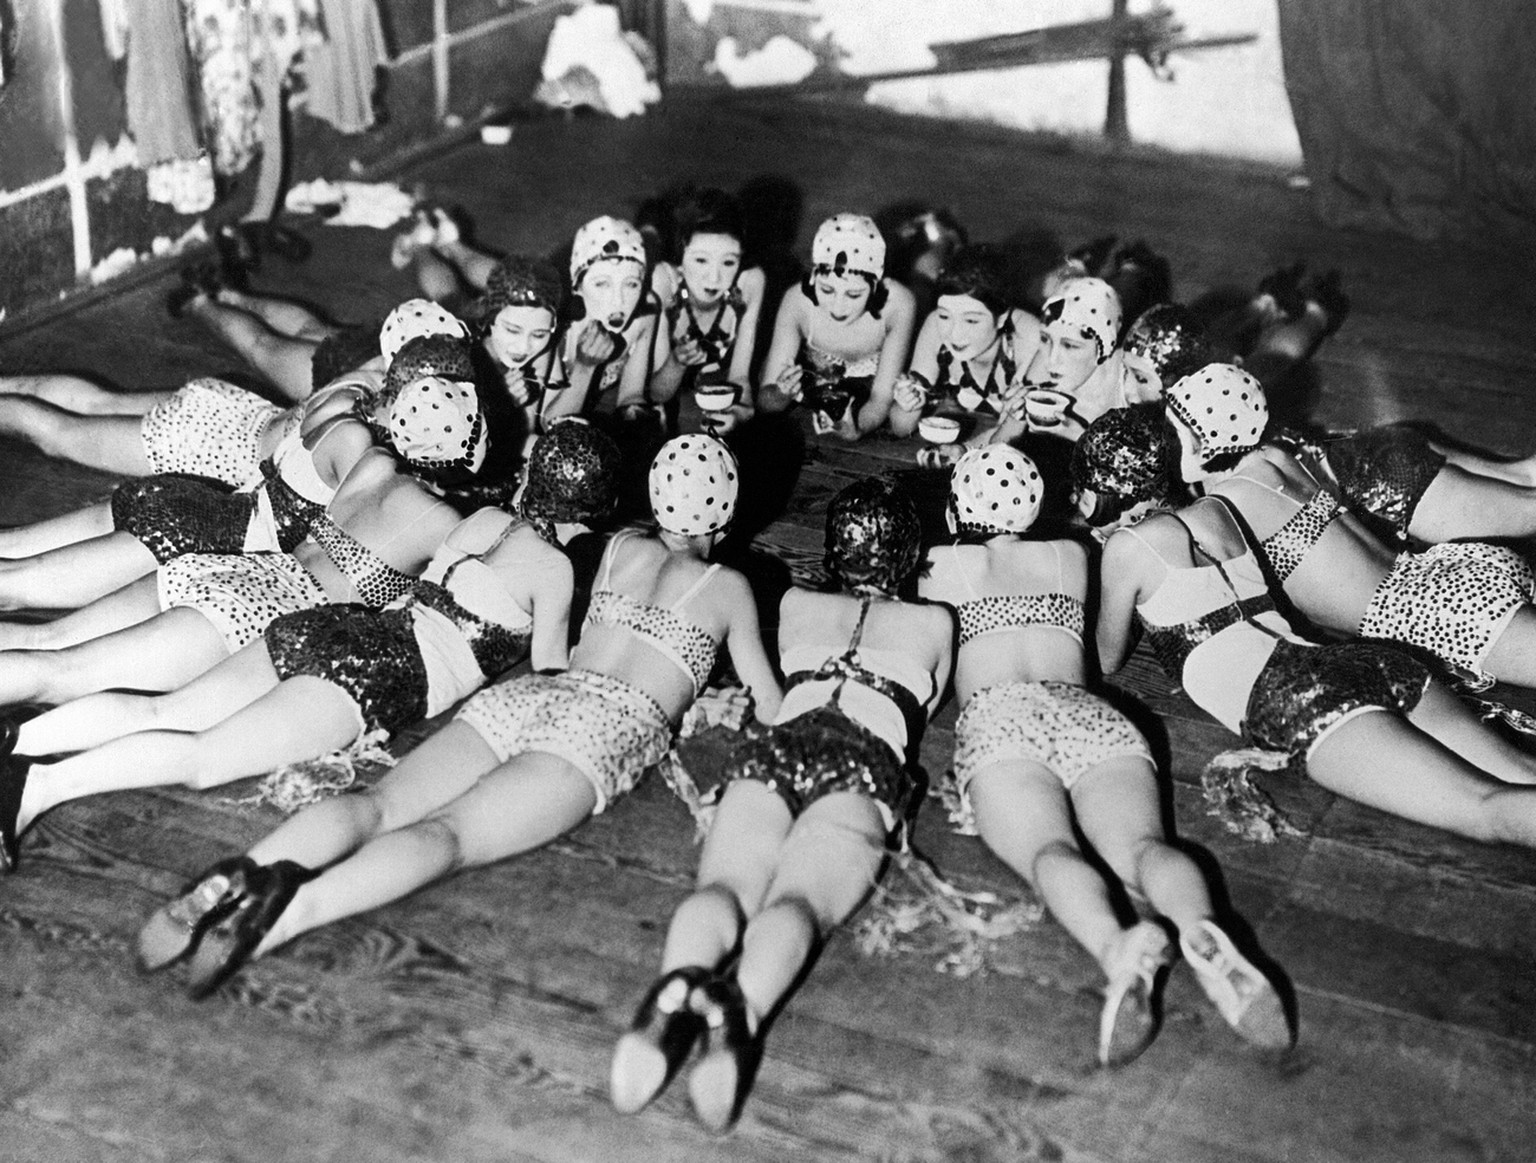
(694, 483)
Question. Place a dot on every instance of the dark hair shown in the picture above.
(979, 271)
(671, 219)
(911, 228)
(344, 350)
(878, 293)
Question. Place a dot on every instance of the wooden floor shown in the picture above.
(474, 1021)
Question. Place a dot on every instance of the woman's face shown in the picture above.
(843, 297)
(1142, 383)
(711, 263)
(966, 326)
(611, 291)
(519, 334)
(1065, 360)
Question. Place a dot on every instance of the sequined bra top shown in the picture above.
(1210, 598)
(999, 612)
(849, 666)
(1288, 545)
(468, 593)
(690, 647)
(373, 580)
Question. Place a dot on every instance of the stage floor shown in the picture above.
(474, 1021)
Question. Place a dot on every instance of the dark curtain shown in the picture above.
(1417, 115)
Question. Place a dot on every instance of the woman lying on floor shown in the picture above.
(67, 562)
(498, 590)
(1368, 721)
(801, 833)
(1465, 602)
(525, 761)
(367, 543)
(842, 336)
(1036, 752)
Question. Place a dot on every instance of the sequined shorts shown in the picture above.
(1385, 471)
(173, 515)
(239, 593)
(607, 729)
(824, 751)
(1056, 724)
(209, 428)
(1453, 600)
(1305, 692)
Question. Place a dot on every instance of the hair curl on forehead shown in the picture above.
(979, 271)
(573, 476)
(1128, 455)
(519, 281)
(874, 537)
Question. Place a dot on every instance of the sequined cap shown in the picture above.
(1090, 308)
(996, 489)
(1222, 405)
(573, 475)
(521, 282)
(1128, 455)
(849, 244)
(414, 319)
(694, 483)
(1169, 341)
(605, 238)
(874, 537)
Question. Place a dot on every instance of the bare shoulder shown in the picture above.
(899, 302)
(753, 284)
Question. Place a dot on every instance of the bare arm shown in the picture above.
(1119, 590)
(780, 388)
(551, 599)
(642, 338)
(909, 397)
(900, 320)
(744, 640)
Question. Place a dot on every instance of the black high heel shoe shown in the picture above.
(14, 770)
(714, 1085)
(1092, 256)
(225, 947)
(659, 1039)
(177, 926)
(1327, 292)
(1283, 285)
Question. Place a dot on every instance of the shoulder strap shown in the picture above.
(699, 583)
(608, 555)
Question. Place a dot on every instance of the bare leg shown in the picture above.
(132, 604)
(1520, 472)
(436, 277)
(296, 720)
(236, 682)
(74, 575)
(520, 805)
(66, 529)
(1386, 763)
(1512, 658)
(1451, 723)
(282, 358)
(76, 394)
(283, 316)
(111, 443)
(1463, 503)
(165, 652)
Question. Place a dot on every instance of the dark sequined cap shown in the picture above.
(1129, 455)
(573, 475)
(873, 535)
(1169, 337)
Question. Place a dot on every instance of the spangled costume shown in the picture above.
(608, 729)
(1215, 630)
(1059, 725)
(456, 629)
(847, 723)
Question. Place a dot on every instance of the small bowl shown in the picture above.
(715, 399)
(939, 429)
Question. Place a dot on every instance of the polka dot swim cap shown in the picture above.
(694, 484)
(605, 238)
(434, 417)
(1089, 307)
(996, 489)
(416, 318)
(1223, 405)
(849, 244)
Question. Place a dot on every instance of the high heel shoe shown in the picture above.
(176, 926)
(14, 770)
(659, 1039)
(227, 945)
(1328, 294)
(714, 1085)
(1129, 1019)
(1244, 997)
(1092, 256)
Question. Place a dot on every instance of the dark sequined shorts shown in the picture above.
(821, 752)
(1385, 471)
(173, 515)
(1304, 692)
(371, 655)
